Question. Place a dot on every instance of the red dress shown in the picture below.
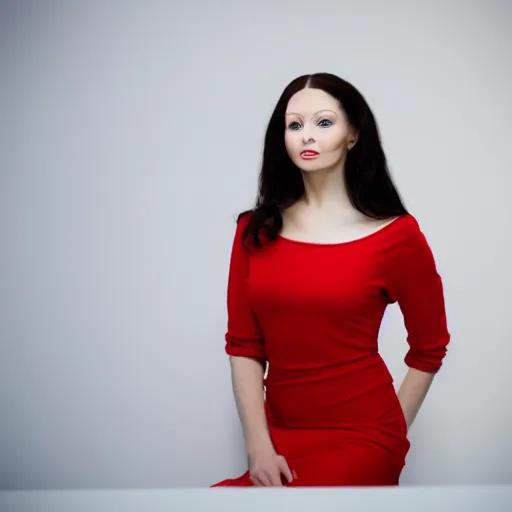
(313, 311)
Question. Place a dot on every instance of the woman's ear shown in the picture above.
(352, 138)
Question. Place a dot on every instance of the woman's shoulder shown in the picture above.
(244, 217)
(408, 239)
(242, 220)
(408, 227)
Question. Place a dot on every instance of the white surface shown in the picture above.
(130, 136)
(418, 499)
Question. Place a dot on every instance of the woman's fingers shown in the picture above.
(274, 477)
(260, 480)
(269, 470)
(285, 469)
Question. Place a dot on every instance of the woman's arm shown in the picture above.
(247, 380)
(412, 393)
(413, 282)
(245, 344)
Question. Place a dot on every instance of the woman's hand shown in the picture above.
(266, 468)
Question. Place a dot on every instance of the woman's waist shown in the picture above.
(347, 372)
(332, 399)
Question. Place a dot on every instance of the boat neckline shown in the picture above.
(347, 242)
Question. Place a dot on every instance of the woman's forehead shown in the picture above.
(310, 101)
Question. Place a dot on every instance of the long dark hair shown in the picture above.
(368, 181)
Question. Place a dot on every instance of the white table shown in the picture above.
(406, 499)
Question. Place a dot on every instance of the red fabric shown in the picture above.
(313, 311)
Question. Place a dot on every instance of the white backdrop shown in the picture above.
(130, 137)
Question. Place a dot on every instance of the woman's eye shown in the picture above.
(325, 123)
(294, 125)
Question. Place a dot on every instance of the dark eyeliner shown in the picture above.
(326, 119)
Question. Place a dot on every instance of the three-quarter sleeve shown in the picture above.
(414, 282)
(243, 336)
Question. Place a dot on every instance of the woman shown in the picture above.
(314, 265)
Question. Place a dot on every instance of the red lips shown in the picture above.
(308, 154)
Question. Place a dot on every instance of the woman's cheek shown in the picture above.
(292, 148)
(332, 140)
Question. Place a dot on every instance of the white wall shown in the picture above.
(130, 138)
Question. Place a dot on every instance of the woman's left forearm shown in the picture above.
(412, 393)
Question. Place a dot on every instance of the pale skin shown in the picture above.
(314, 121)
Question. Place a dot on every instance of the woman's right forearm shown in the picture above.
(247, 379)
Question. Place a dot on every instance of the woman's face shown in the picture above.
(317, 133)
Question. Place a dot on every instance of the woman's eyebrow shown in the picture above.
(300, 115)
